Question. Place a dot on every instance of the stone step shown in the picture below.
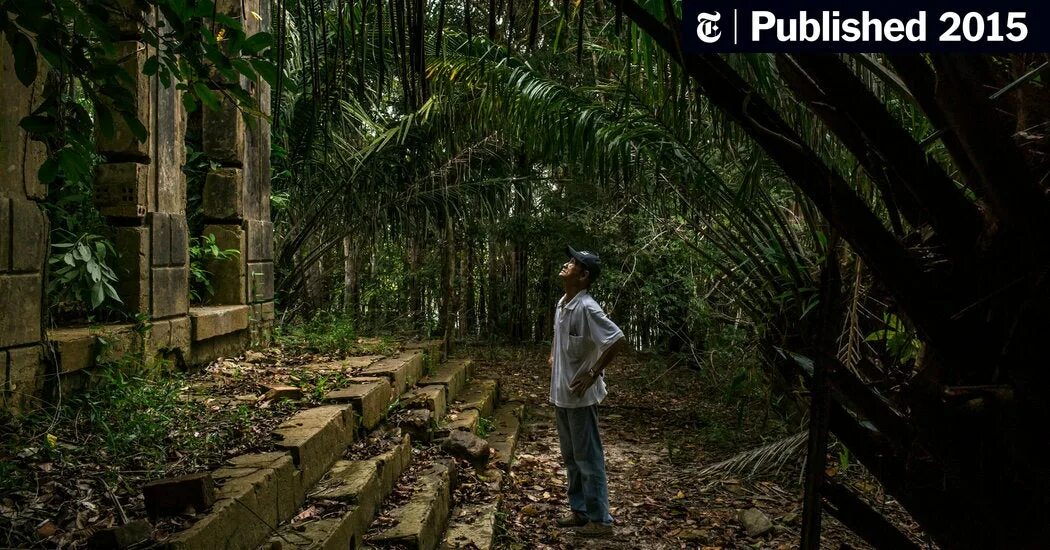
(351, 491)
(316, 438)
(419, 524)
(255, 492)
(481, 394)
(503, 438)
(452, 375)
(262, 490)
(434, 350)
(466, 420)
(431, 398)
(402, 370)
(349, 364)
(472, 526)
(369, 397)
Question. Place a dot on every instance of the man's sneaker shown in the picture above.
(595, 530)
(572, 519)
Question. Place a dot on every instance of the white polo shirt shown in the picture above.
(582, 332)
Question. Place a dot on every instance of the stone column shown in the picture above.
(237, 194)
(141, 189)
(23, 243)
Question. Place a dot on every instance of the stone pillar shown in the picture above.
(237, 194)
(24, 231)
(141, 189)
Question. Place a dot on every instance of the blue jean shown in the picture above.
(581, 449)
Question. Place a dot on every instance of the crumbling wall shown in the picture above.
(141, 190)
(23, 242)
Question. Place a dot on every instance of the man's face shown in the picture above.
(572, 270)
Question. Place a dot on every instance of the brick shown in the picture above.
(419, 423)
(76, 348)
(393, 369)
(20, 298)
(228, 276)
(211, 321)
(121, 537)
(266, 311)
(246, 508)
(122, 144)
(391, 464)
(261, 281)
(3, 379)
(414, 365)
(332, 533)
(29, 230)
(133, 267)
(172, 496)
(370, 400)
(224, 134)
(224, 195)
(168, 150)
(504, 435)
(180, 334)
(160, 238)
(121, 189)
(203, 352)
(180, 240)
(316, 438)
(420, 523)
(260, 241)
(25, 379)
(473, 527)
(171, 288)
(282, 392)
(20, 156)
(452, 375)
(466, 421)
(434, 350)
(5, 234)
(352, 482)
(431, 398)
(479, 394)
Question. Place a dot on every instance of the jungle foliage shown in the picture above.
(871, 228)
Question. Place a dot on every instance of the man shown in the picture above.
(585, 341)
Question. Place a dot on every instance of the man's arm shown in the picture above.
(586, 378)
(607, 356)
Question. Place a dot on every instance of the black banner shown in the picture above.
(828, 26)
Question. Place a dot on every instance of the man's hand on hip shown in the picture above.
(582, 382)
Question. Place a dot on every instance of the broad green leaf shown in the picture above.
(98, 294)
(48, 171)
(257, 43)
(24, 54)
(207, 96)
(266, 70)
(150, 67)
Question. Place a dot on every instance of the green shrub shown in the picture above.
(202, 250)
(81, 278)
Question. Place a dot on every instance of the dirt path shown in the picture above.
(657, 501)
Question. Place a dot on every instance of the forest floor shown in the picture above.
(661, 427)
(67, 473)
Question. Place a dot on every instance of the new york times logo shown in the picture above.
(707, 27)
(883, 26)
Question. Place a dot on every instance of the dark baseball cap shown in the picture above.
(589, 260)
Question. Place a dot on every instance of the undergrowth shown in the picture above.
(332, 333)
(131, 418)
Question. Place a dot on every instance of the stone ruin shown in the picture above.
(141, 190)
